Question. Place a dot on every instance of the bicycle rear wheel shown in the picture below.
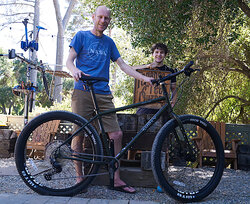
(50, 162)
(180, 174)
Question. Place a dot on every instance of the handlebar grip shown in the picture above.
(189, 65)
(12, 54)
(188, 70)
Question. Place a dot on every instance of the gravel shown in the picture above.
(233, 188)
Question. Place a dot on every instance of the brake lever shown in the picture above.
(189, 71)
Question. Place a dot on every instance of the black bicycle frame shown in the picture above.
(104, 137)
(167, 107)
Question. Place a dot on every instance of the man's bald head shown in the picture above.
(101, 19)
(102, 8)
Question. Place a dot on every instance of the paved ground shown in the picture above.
(37, 199)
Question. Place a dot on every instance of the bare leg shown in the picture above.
(117, 137)
(76, 145)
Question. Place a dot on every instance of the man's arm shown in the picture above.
(131, 72)
(76, 73)
(140, 66)
(146, 66)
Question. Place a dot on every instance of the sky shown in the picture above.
(11, 36)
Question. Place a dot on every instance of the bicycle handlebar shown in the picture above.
(12, 54)
(187, 71)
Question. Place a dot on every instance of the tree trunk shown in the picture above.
(10, 107)
(58, 67)
(244, 7)
(61, 24)
(3, 109)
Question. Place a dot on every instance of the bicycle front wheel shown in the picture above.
(56, 155)
(180, 165)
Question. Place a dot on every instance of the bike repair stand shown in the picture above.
(30, 89)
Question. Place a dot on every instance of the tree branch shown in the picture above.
(244, 101)
(3, 109)
(58, 15)
(16, 14)
(244, 7)
(4, 25)
(244, 68)
(15, 4)
(68, 13)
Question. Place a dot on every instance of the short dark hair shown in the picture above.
(160, 46)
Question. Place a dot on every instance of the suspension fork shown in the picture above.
(174, 116)
(190, 154)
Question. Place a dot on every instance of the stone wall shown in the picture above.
(7, 143)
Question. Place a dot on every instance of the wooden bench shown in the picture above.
(206, 147)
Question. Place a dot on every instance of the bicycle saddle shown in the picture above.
(91, 78)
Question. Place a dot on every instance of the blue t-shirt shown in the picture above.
(93, 57)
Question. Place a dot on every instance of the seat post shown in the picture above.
(96, 108)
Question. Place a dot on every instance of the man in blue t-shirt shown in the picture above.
(92, 51)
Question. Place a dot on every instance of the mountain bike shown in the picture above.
(181, 176)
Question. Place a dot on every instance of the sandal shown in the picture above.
(122, 189)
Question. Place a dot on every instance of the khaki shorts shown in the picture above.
(82, 104)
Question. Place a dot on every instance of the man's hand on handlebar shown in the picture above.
(148, 80)
(77, 73)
